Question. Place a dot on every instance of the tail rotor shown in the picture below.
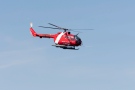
(31, 24)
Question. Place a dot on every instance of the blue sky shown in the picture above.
(28, 63)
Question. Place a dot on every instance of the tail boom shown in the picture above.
(34, 34)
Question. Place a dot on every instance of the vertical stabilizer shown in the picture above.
(32, 30)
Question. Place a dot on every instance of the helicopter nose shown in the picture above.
(79, 42)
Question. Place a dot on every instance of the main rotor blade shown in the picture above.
(81, 29)
(54, 25)
(48, 27)
(65, 29)
(78, 30)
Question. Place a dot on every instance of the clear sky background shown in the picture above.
(28, 63)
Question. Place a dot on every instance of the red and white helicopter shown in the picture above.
(64, 39)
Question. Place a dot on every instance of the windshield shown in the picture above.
(77, 38)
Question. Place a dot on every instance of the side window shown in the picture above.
(70, 37)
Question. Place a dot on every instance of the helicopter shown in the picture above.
(64, 40)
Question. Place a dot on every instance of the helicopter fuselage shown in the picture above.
(64, 40)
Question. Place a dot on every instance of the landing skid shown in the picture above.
(66, 47)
